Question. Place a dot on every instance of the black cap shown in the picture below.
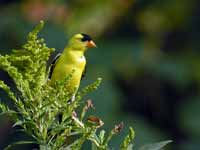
(86, 37)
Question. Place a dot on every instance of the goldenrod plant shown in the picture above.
(37, 104)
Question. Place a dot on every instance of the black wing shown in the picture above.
(84, 72)
(53, 64)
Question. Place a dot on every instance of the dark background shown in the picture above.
(148, 56)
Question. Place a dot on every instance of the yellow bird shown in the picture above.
(71, 59)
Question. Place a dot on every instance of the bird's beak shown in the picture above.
(91, 44)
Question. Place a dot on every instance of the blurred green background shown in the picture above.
(148, 56)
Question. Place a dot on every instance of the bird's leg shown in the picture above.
(72, 99)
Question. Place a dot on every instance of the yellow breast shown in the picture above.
(65, 65)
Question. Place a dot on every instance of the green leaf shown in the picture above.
(19, 143)
(127, 143)
(102, 136)
(10, 112)
(155, 146)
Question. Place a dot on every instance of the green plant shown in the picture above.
(37, 105)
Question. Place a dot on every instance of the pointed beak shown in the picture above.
(91, 44)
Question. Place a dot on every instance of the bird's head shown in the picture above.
(81, 42)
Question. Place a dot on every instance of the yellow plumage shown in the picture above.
(72, 59)
(68, 62)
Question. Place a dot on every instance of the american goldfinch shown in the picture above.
(71, 59)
